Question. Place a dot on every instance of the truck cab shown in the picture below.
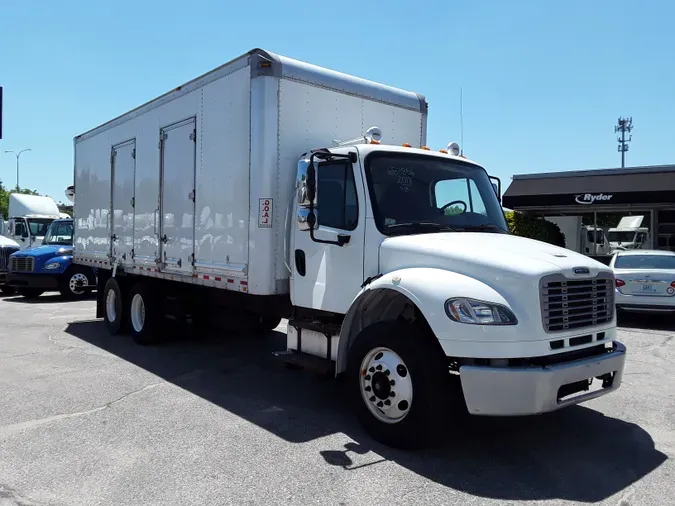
(49, 266)
(629, 234)
(30, 217)
(7, 248)
(412, 246)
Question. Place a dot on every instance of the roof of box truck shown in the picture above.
(34, 206)
(268, 63)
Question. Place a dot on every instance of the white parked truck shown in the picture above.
(586, 239)
(30, 217)
(629, 234)
(261, 191)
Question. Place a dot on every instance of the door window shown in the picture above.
(336, 195)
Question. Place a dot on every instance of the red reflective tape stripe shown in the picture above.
(244, 283)
(217, 279)
(206, 277)
(230, 280)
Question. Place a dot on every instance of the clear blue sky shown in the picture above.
(544, 82)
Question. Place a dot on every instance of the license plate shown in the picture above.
(648, 288)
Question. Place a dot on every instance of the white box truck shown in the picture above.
(261, 190)
(30, 217)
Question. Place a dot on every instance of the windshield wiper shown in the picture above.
(484, 226)
(421, 226)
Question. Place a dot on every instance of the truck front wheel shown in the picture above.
(75, 282)
(144, 314)
(399, 385)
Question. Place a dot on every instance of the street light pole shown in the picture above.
(17, 163)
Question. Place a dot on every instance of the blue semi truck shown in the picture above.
(49, 267)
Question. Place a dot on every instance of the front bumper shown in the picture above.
(644, 302)
(530, 390)
(43, 281)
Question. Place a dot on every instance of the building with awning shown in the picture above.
(602, 193)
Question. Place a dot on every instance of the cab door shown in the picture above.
(327, 270)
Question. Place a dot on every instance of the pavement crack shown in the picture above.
(11, 429)
(10, 494)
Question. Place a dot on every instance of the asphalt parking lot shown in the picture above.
(88, 418)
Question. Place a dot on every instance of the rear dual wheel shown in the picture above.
(136, 311)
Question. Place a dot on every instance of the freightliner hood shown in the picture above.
(507, 263)
(47, 251)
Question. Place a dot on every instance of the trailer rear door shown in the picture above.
(177, 196)
(123, 170)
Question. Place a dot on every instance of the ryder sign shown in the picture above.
(590, 198)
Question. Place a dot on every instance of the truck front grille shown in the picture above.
(21, 264)
(569, 304)
(4, 257)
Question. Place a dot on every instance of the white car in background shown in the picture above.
(645, 280)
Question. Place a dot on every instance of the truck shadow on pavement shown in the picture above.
(577, 454)
(47, 298)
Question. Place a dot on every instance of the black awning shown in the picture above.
(640, 185)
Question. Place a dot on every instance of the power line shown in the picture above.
(623, 125)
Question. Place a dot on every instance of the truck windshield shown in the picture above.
(59, 233)
(38, 226)
(621, 236)
(416, 193)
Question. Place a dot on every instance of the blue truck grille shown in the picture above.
(21, 264)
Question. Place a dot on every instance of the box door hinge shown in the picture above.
(162, 137)
(191, 259)
(193, 135)
(133, 201)
(192, 195)
(113, 154)
(133, 153)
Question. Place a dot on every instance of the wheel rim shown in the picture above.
(76, 282)
(137, 312)
(111, 305)
(386, 386)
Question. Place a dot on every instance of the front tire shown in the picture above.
(399, 385)
(7, 290)
(144, 314)
(73, 281)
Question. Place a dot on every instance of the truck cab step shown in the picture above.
(306, 361)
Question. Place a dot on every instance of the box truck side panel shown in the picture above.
(222, 202)
(204, 209)
(92, 206)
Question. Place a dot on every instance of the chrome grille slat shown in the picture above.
(570, 304)
(21, 264)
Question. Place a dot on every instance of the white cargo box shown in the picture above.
(202, 177)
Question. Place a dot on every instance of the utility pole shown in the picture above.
(624, 125)
(17, 163)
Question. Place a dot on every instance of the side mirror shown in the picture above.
(306, 182)
(497, 187)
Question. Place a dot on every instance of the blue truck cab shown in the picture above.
(49, 266)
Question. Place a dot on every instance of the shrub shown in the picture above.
(533, 227)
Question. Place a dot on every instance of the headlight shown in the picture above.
(52, 266)
(478, 312)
